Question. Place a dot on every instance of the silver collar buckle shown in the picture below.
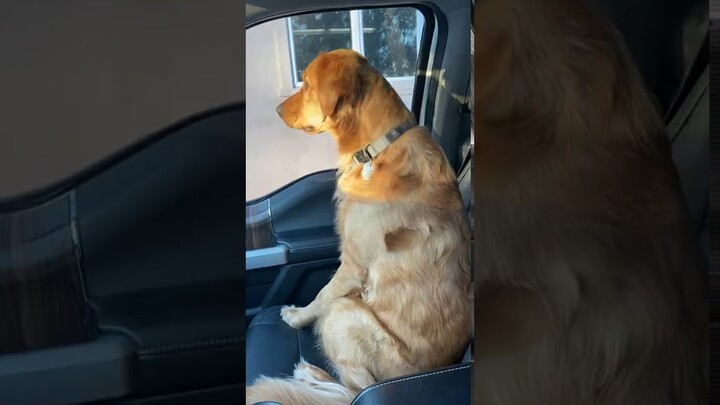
(362, 156)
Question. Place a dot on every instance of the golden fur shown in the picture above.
(590, 288)
(400, 301)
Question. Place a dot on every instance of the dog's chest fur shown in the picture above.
(363, 225)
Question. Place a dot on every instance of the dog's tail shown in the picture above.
(302, 389)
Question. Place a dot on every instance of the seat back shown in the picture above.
(690, 140)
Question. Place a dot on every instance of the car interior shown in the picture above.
(129, 272)
(298, 254)
(141, 320)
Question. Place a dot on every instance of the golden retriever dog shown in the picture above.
(399, 302)
(590, 288)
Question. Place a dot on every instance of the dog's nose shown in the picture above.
(278, 109)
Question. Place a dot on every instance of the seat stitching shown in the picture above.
(209, 343)
(322, 245)
(297, 337)
(257, 320)
(262, 315)
(407, 379)
(260, 318)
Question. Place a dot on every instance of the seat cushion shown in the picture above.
(273, 347)
(448, 385)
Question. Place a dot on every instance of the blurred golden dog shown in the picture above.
(590, 286)
(400, 301)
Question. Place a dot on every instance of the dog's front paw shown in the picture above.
(296, 317)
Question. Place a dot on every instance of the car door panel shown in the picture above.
(297, 284)
(153, 234)
(303, 218)
(69, 374)
(160, 234)
(305, 248)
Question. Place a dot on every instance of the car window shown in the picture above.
(278, 51)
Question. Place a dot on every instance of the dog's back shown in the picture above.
(590, 286)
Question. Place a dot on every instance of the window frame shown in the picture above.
(358, 44)
(403, 84)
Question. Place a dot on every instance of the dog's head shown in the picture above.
(332, 86)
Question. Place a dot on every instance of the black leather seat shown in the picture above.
(274, 347)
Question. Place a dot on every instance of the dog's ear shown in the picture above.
(339, 84)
